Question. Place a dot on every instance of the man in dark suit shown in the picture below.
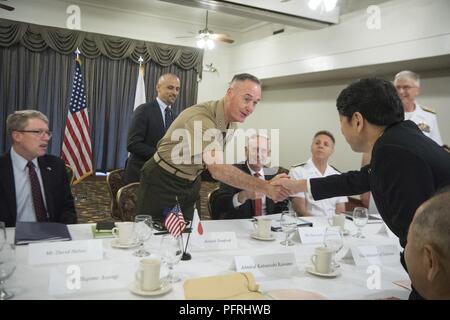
(33, 186)
(233, 203)
(406, 168)
(149, 124)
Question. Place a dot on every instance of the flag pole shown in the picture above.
(187, 256)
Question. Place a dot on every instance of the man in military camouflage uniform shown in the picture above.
(173, 174)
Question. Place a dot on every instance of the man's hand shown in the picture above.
(292, 186)
(277, 192)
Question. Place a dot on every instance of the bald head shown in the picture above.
(431, 223)
(168, 88)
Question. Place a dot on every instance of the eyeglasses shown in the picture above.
(39, 133)
(406, 88)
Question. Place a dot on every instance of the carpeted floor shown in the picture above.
(92, 200)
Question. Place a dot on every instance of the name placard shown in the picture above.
(385, 231)
(216, 241)
(89, 277)
(367, 255)
(311, 235)
(66, 251)
(279, 265)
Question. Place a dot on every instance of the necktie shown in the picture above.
(258, 202)
(38, 201)
(168, 117)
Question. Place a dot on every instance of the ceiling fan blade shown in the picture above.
(221, 37)
(185, 37)
(4, 6)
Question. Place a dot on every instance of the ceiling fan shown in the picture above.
(206, 37)
(6, 7)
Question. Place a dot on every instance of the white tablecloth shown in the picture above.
(32, 282)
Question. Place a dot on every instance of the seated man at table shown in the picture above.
(234, 203)
(322, 147)
(34, 186)
(427, 252)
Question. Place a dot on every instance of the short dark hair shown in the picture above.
(376, 99)
(245, 76)
(325, 133)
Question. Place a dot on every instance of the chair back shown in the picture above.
(211, 207)
(127, 201)
(115, 181)
(70, 174)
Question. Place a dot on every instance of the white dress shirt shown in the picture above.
(325, 207)
(236, 202)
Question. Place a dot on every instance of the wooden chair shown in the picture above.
(115, 182)
(211, 198)
(70, 174)
(126, 201)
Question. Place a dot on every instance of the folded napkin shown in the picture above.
(236, 286)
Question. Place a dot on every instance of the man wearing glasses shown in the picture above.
(34, 186)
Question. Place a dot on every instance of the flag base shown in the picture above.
(186, 256)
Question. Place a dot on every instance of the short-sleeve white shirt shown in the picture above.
(325, 207)
(427, 122)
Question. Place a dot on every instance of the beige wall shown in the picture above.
(300, 111)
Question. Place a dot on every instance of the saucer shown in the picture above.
(313, 271)
(345, 232)
(257, 237)
(116, 244)
(134, 287)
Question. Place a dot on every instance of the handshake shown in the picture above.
(281, 187)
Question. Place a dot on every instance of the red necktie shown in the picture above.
(38, 201)
(258, 202)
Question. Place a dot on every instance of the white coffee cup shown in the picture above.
(147, 275)
(262, 226)
(124, 232)
(321, 259)
(337, 220)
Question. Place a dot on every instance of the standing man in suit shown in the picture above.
(407, 167)
(34, 186)
(234, 203)
(149, 124)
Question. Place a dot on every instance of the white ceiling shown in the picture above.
(218, 21)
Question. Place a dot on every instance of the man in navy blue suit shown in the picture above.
(34, 186)
(149, 124)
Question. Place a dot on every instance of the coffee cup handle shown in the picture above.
(115, 232)
(313, 259)
(138, 277)
(330, 221)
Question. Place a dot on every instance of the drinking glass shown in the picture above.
(143, 229)
(7, 262)
(360, 218)
(333, 239)
(171, 253)
(288, 226)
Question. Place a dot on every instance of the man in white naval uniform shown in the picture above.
(407, 84)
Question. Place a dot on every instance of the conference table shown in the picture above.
(37, 281)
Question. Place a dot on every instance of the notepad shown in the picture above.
(30, 232)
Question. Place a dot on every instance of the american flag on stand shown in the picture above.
(174, 221)
(76, 149)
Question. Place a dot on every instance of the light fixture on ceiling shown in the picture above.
(206, 42)
(327, 5)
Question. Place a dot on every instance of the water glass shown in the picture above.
(360, 218)
(143, 230)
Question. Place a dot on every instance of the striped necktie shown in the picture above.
(36, 193)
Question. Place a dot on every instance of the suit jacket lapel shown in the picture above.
(7, 174)
(156, 110)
